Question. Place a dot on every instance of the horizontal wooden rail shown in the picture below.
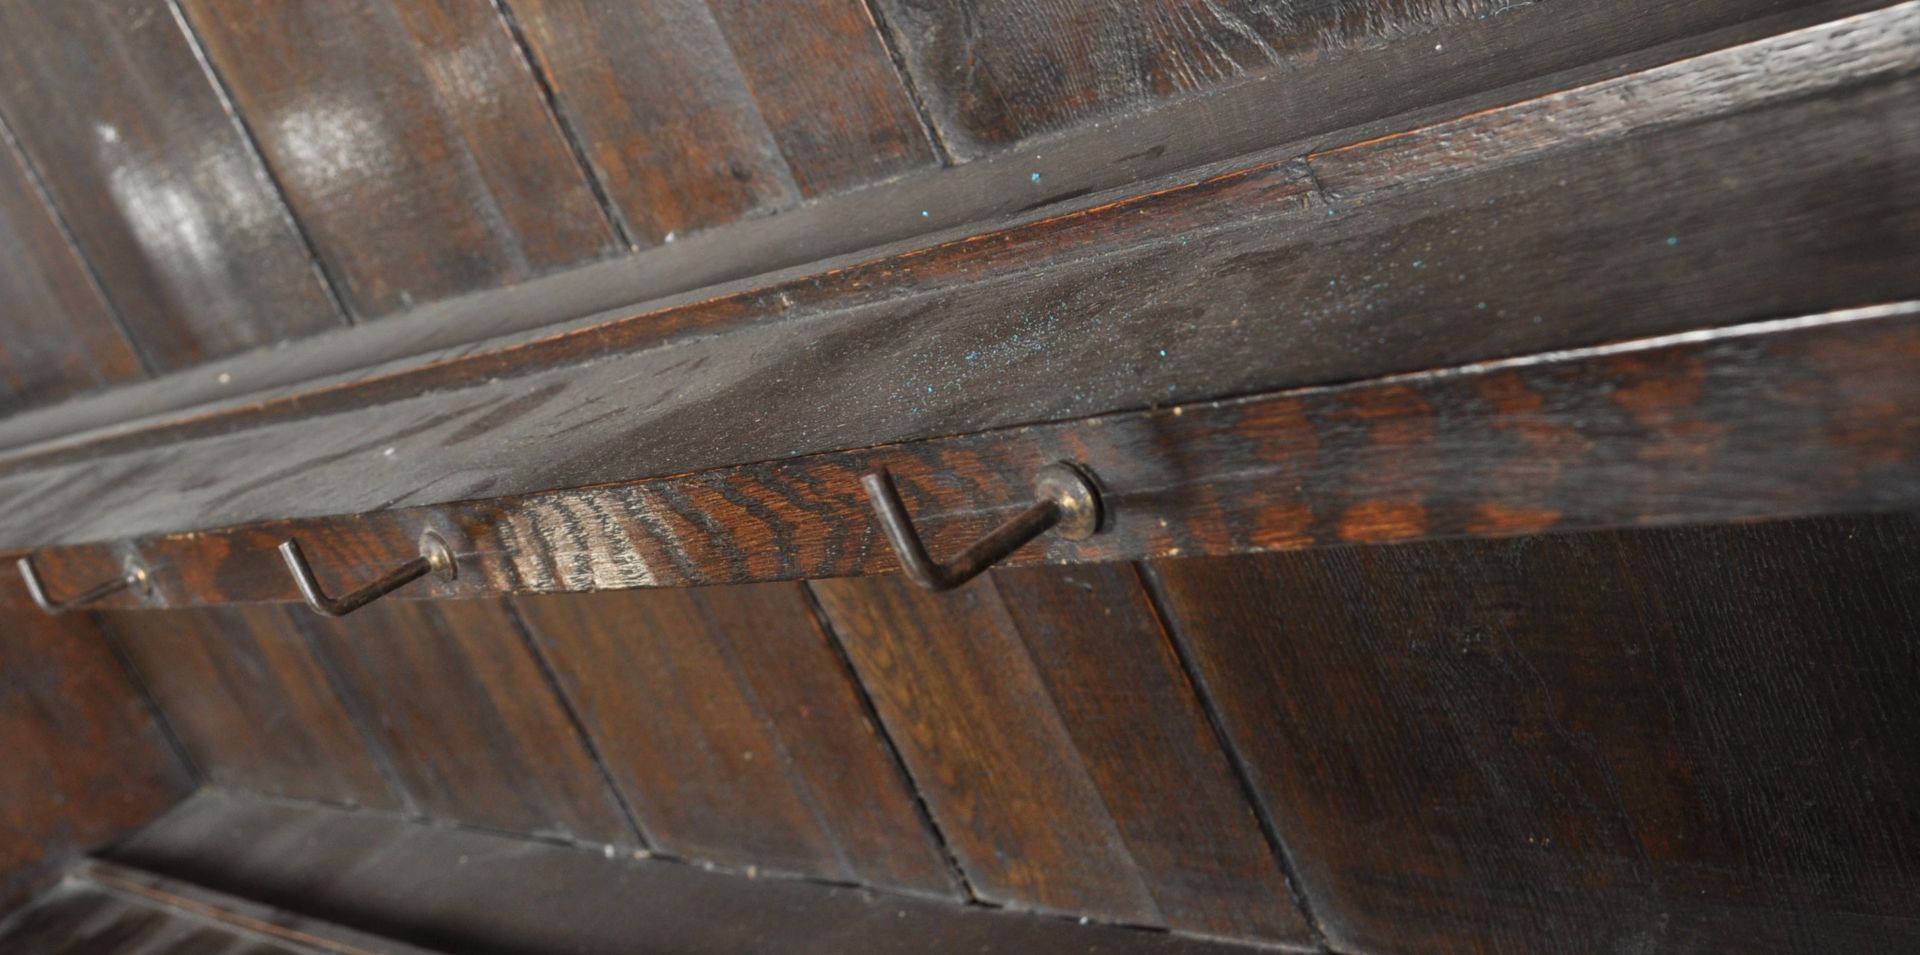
(1796, 417)
(1774, 178)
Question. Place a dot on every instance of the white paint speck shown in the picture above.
(388, 452)
(224, 378)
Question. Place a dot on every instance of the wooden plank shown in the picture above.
(827, 89)
(661, 110)
(998, 71)
(85, 762)
(244, 694)
(733, 728)
(1690, 739)
(380, 873)
(471, 725)
(62, 336)
(1797, 417)
(1062, 751)
(1733, 231)
(412, 141)
(104, 909)
(164, 193)
(1527, 51)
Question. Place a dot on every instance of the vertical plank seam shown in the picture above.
(860, 692)
(10, 140)
(511, 609)
(329, 283)
(195, 773)
(354, 708)
(1156, 598)
(616, 220)
(891, 43)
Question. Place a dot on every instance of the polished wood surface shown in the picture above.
(163, 190)
(1393, 280)
(737, 734)
(251, 703)
(469, 720)
(1800, 417)
(1672, 740)
(1062, 750)
(83, 760)
(62, 337)
(412, 141)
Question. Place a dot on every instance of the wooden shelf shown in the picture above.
(1229, 353)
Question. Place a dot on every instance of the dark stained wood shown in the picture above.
(1062, 751)
(1756, 213)
(1798, 417)
(827, 89)
(473, 728)
(244, 694)
(61, 335)
(164, 193)
(736, 733)
(104, 909)
(1525, 52)
(997, 71)
(82, 760)
(1675, 740)
(662, 112)
(459, 890)
(412, 141)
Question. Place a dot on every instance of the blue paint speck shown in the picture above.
(1481, 306)
(1036, 177)
(1418, 263)
(1673, 240)
(972, 355)
(924, 214)
(1163, 353)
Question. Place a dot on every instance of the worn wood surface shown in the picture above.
(998, 71)
(471, 724)
(164, 192)
(661, 110)
(1671, 740)
(105, 909)
(1390, 281)
(737, 734)
(353, 868)
(251, 704)
(824, 81)
(62, 338)
(1799, 417)
(1527, 51)
(412, 141)
(82, 760)
(1062, 751)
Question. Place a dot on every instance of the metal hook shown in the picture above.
(134, 577)
(1066, 500)
(434, 558)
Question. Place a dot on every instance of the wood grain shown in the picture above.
(1732, 231)
(255, 710)
(412, 141)
(62, 336)
(825, 85)
(737, 734)
(1062, 751)
(1799, 417)
(1688, 740)
(164, 193)
(104, 909)
(84, 761)
(662, 111)
(998, 71)
(473, 728)
(380, 873)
